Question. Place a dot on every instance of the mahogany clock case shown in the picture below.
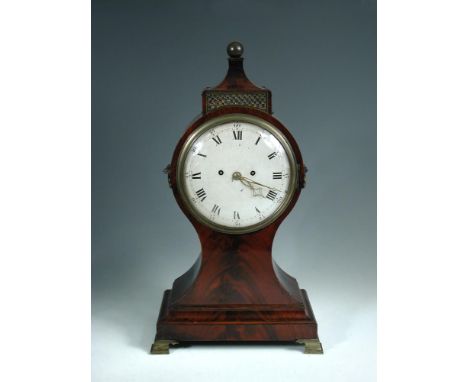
(235, 291)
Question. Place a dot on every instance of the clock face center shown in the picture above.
(236, 175)
(247, 200)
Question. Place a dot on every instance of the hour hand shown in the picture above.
(256, 191)
(237, 176)
(259, 184)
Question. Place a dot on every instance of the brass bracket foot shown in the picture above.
(162, 346)
(311, 346)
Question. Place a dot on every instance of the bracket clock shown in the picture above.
(236, 173)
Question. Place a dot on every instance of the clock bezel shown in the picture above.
(261, 123)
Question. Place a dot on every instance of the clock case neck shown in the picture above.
(236, 90)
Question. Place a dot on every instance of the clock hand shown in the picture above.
(255, 191)
(260, 184)
(237, 176)
(248, 182)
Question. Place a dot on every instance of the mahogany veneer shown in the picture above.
(235, 291)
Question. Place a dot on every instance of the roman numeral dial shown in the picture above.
(271, 195)
(237, 134)
(201, 194)
(277, 175)
(216, 210)
(236, 175)
(217, 139)
(272, 155)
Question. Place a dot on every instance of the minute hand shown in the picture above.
(260, 184)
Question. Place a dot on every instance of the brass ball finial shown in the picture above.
(235, 49)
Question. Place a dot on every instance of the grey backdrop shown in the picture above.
(150, 62)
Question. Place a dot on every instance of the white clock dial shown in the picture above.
(238, 173)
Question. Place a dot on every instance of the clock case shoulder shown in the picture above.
(235, 291)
